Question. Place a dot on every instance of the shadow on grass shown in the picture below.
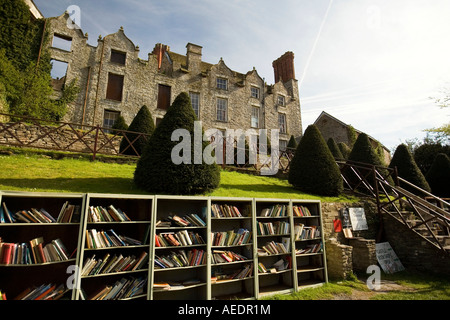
(72, 185)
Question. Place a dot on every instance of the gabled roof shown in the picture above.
(327, 115)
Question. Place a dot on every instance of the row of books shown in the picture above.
(221, 256)
(69, 213)
(189, 220)
(108, 214)
(224, 211)
(231, 238)
(106, 239)
(121, 289)
(245, 272)
(273, 228)
(278, 210)
(301, 211)
(312, 248)
(34, 252)
(181, 258)
(111, 264)
(273, 247)
(302, 232)
(48, 291)
(181, 238)
(280, 265)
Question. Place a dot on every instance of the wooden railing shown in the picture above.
(28, 132)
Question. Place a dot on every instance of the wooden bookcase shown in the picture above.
(132, 256)
(309, 247)
(20, 275)
(172, 277)
(273, 222)
(180, 247)
(231, 224)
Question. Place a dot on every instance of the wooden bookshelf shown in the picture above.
(33, 272)
(231, 224)
(129, 218)
(175, 247)
(309, 251)
(180, 271)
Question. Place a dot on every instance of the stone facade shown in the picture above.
(114, 80)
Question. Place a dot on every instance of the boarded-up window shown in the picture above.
(118, 57)
(115, 87)
(163, 97)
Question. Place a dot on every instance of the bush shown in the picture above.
(313, 168)
(364, 152)
(292, 143)
(345, 149)
(334, 149)
(408, 169)
(155, 170)
(438, 176)
(143, 123)
(120, 124)
(425, 154)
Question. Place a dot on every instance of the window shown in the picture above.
(109, 118)
(62, 42)
(222, 84)
(282, 122)
(255, 92)
(163, 97)
(283, 145)
(118, 57)
(255, 117)
(115, 87)
(281, 101)
(195, 101)
(222, 106)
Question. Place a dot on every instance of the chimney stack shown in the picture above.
(283, 67)
(193, 57)
(159, 50)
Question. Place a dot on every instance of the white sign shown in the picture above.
(387, 258)
(358, 219)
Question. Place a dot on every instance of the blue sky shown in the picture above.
(373, 64)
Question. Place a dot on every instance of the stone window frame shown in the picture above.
(282, 126)
(252, 117)
(223, 85)
(255, 92)
(224, 112)
(281, 100)
(114, 54)
(197, 95)
(110, 117)
(109, 94)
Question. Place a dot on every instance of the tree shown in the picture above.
(438, 176)
(156, 170)
(313, 168)
(345, 149)
(363, 152)
(292, 144)
(120, 124)
(425, 154)
(408, 169)
(334, 149)
(142, 123)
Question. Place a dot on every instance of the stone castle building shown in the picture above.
(114, 81)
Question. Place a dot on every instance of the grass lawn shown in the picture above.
(40, 173)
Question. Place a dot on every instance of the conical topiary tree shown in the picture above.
(142, 123)
(363, 152)
(292, 144)
(332, 145)
(157, 172)
(313, 168)
(408, 170)
(120, 124)
(438, 176)
(345, 149)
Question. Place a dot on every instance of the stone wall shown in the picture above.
(413, 251)
(59, 138)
